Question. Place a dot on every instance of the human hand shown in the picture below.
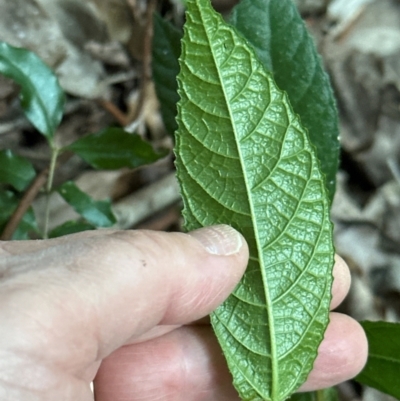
(123, 300)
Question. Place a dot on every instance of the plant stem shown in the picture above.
(24, 205)
(53, 162)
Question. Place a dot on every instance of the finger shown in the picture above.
(94, 294)
(341, 355)
(19, 247)
(341, 282)
(187, 364)
(184, 365)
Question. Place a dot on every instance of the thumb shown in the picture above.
(92, 293)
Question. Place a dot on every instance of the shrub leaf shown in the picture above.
(98, 213)
(114, 148)
(243, 159)
(71, 227)
(8, 203)
(383, 364)
(15, 170)
(281, 40)
(41, 96)
(166, 51)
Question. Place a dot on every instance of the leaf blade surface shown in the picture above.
(114, 148)
(243, 159)
(281, 40)
(98, 213)
(166, 50)
(41, 95)
(15, 170)
(383, 364)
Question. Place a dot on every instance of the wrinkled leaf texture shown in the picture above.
(15, 170)
(42, 98)
(98, 213)
(114, 148)
(282, 42)
(383, 364)
(243, 159)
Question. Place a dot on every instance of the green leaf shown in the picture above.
(71, 227)
(41, 96)
(383, 364)
(243, 159)
(166, 51)
(8, 204)
(98, 213)
(282, 42)
(114, 148)
(15, 170)
(328, 394)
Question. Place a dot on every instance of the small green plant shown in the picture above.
(256, 148)
(42, 100)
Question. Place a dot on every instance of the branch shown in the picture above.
(24, 205)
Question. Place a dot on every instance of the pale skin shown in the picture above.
(120, 308)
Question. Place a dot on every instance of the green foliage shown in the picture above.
(114, 148)
(383, 365)
(328, 394)
(8, 203)
(41, 96)
(282, 42)
(166, 51)
(71, 227)
(15, 170)
(98, 213)
(244, 159)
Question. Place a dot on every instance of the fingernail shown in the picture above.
(219, 240)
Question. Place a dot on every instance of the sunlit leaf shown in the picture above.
(15, 170)
(98, 213)
(114, 148)
(281, 40)
(41, 96)
(383, 364)
(244, 159)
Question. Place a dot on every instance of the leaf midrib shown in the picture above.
(274, 368)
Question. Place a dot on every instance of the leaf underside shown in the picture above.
(281, 40)
(243, 159)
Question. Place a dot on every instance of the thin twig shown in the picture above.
(162, 221)
(146, 64)
(144, 203)
(114, 111)
(24, 205)
(29, 196)
(49, 186)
